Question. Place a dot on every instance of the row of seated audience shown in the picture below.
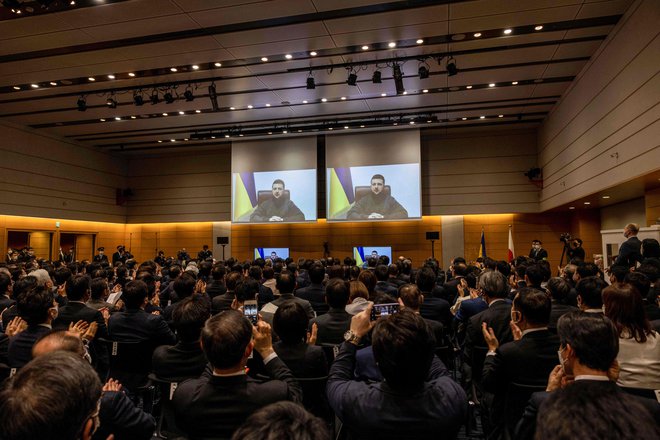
(531, 355)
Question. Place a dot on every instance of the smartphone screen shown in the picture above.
(250, 311)
(379, 310)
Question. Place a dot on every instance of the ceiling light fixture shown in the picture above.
(264, 59)
(198, 111)
(452, 69)
(352, 79)
(111, 77)
(365, 47)
(391, 45)
(195, 67)
(91, 78)
(34, 86)
(538, 28)
(507, 31)
(311, 83)
(217, 64)
(173, 69)
(288, 56)
(117, 118)
(138, 99)
(377, 77)
(514, 83)
(324, 99)
(313, 53)
(213, 97)
(477, 35)
(491, 85)
(188, 94)
(82, 104)
(53, 83)
(250, 106)
(182, 113)
(164, 114)
(468, 87)
(423, 71)
(131, 74)
(111, 102)
(398, 79)
(168, 97)
(425, 91)
(419, 41)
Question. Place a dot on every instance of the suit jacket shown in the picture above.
(556, 312)
(118, 257)
(539, 255)
(629, 252)
(99, 258)
(376, 411)
(6, 302)
(449, 290)
(303, 360)
(268, 311)
(527, 426)
(436, 309)
(332, 326)
(385, 288)
(138, 325)
(315, 294)
(470, 307)
(119, 416)
(212, 407)
(222, 302)
(497, 316)
(216, 288)
(20, 346)
(178, 362)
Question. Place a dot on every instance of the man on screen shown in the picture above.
(277, 209)
(377, 205)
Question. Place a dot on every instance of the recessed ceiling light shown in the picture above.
(396, 123)
(267, 105)
(345, 127)
(117, 118)
(91, 78)
(173, 69)
(232, 108)
(288, 56)
(324, 99)
(304, 101)
(419, 41)
(468, 87)
(212, 137)
(330, 128)
(538, 28)
(195, 67)
(240, 135)
(198, 111)
(160, 141)
(465, 119)
(133, 117)
(299, 131)
(477, 35)
(270, 132)
(383, 94)
(182, 113)
(172, 140)
(17, 88)
(500, 116)
(507, 31)
(217, 64)
(102, 119)
(131, 74)
(313, 53)
(391, 44)
(587, 203)
(34, 86)
(571, 207)
(365, 47)
(250, 106)
(491, 85)
(226, 135)
(284, 131)
(164, 114)
(111, 77)
(405, 92)
(343, 98)
(514, 83)
(425, 91)
(606, 197)
(185, 139)
(53, 83)
(361, 126)
(482, 117)
(264, 59)
(412, 122)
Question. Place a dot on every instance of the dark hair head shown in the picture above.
(354, 273)
(611, 414)
(189, 316)
(337, 293)
(247, 290)
(268, 272)
(460, 268)
(62, 275)
(593, 337)
(411, 296)
(590, 289)
(218, 272)
(255, 272)
(587, 270)
(378, 176)
(335, 271)
(77, 287)
(650, 248)
(286, 282)
(558, 289)
(381, 272)
(134, 294)
(175, 271)
(534, 274)
(184, 286)
(26, 403)
(98, 287)
(625, 307)
(232, 280)
(282, 420)
(290, 323)
(533, 305)
(33, 305)
(619, 271)
(24, 284)
(641, 283)
(316, 273)
(149, 280)
(403, 347)
(5, 282)
(225, 337)
(426, 279)
(280, 181)
(503, 267)
(368, 278)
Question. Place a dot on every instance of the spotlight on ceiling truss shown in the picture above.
(376, 78)
(138, 99)
(154, 97)
(398, 79)
(451, 67)
(213, 96)
(311, 83)
(168, 97)
(111, 101)
(352, 78)
(82, 104)
(188, 94)
(423, 70)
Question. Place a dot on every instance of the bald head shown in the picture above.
(63, 340)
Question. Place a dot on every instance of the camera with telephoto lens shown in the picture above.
(565, 237)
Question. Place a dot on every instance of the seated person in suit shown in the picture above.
(99, 293)
(590, 294)
(382, 286)
(56, 396)
(303, 359)
(277, 208)
(185, 359)
(526, 360)
(220, 400)
(418, 398)
(38, 308)
(265, 294)
(117, 413)
(223, 302)
(282, 420)
(285, 284)
(559, 289)
(410, 297)
(333, 325)
(216, 286)
(377, 204)
(315, 292)
(433, 308)
(589, 345)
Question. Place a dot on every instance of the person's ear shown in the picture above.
(87, 430)
(421, 299)
(400, 301)
(248, 349)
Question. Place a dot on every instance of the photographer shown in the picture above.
(573, 247)
(120, 255)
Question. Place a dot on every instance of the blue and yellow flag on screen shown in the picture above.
(358, 255)
(245, 195)
(341, 191)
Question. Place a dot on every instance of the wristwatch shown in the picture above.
(352, 337)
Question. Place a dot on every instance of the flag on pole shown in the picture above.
(512, 254)
(482, 246)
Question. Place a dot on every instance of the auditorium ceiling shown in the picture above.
(140, 76)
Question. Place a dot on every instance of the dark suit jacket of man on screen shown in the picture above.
(382, 203)
(281, 207)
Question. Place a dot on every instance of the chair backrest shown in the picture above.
(262, 196)
(515, 400)
(130, 361)
(166, 427)
(331, 351)
(478, 357)
(361, 191)
(314, 396)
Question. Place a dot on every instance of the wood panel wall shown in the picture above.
(40, 242)
(42, 176)
(605, 130)
(407, 238)
(652, 204)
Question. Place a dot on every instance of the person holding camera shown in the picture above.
(120, 255)
(573, 247)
